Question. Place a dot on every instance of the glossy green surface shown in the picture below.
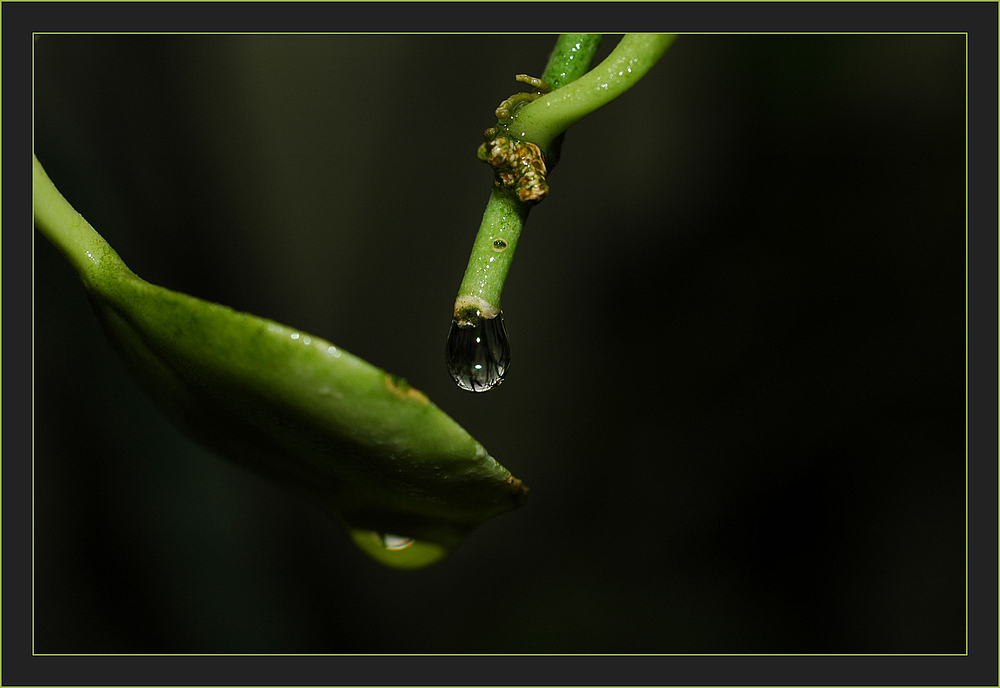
(369, 448)
(542, 120)
(489, 262)
(570, 58)
(576, 93)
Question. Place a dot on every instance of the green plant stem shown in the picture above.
(547, 117)
(577, 92)
(570, 58)
(482, 285)
(69, 232)
(492, 253)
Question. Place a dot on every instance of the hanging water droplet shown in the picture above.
(478, 354)
(396, 542)
(398, 551)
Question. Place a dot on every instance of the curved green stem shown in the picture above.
(69, 232)
(541, 122)
(570, 58)
(505, 215)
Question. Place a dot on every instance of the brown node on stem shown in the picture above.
(519, 166)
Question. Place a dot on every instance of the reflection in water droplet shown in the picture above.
(397, 551)
(499, 245)
(396, 542)
(478, 355)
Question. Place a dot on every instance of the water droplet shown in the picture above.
(499, 245)
(478, 355)
(398, 551)
(396, 542)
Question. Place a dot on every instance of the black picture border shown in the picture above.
(979, 667)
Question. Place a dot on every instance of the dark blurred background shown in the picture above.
(743, 430)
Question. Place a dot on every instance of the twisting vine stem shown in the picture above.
(524, 146)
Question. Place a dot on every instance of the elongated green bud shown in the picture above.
(406, 479)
